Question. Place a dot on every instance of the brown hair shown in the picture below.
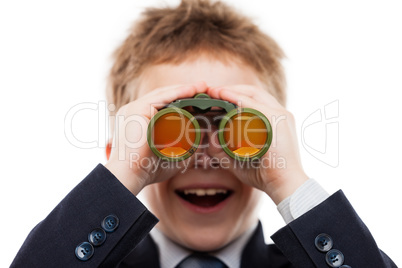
(172, 35)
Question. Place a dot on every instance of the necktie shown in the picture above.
(199, 260)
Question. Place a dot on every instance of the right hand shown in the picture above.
(278, 181)
(132, 122)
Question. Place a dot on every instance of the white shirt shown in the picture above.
(171, 253)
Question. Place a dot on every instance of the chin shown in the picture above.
(209, 238)
(203, 210)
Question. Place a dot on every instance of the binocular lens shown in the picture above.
(245, 135)
(174, 134)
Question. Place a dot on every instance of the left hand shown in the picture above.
(280, 172)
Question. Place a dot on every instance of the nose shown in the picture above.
(209, 142)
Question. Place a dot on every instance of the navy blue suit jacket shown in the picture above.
(53, 241)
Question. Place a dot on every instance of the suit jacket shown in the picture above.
(53, 242)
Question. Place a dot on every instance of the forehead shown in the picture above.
(213, 72)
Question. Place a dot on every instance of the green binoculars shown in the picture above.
(174, 133)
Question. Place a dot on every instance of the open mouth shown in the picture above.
(204, 197)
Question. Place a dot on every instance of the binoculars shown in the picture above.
(174, 133)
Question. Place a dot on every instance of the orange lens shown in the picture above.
(173, 134)
(245, 134)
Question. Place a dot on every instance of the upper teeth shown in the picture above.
(202, 192)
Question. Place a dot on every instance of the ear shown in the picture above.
(108, 149)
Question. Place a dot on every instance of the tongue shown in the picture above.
(205, 201)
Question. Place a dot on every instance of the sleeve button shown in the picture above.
(323, 242)
(97, 237)
(84, 251)
(334, 258)
(110, 223)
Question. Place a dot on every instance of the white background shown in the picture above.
(55, 55)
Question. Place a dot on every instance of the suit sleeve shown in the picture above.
(53, 242)
(347, 239)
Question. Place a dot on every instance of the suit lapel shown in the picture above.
(257, 254)
(144, 255)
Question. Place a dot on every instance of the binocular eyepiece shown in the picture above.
(174, 133)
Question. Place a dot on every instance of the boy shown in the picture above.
(175, 53)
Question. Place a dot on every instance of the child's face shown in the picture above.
(195, 226)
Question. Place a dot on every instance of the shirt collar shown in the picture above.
(171, 253)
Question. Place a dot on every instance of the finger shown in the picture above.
(254, 92)
(149, 104)
(159, 90)
(199, 87)
(160, 98)
(259, 94)
(244, 89)
(249, 90)
(241, 100)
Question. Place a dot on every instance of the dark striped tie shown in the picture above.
(199, 260)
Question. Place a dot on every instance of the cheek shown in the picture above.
(251, 200)
(157, 197)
